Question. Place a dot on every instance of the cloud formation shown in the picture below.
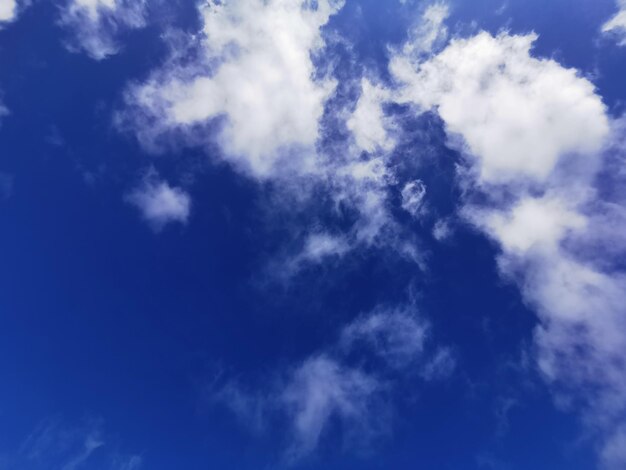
(254, 68)
(160, 203)
(350, 382)
(535, 137)
(94, 25)
(8, 11)
(517, 114)
(616, 26)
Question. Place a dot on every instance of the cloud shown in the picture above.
(53, 444)
(349, 382)
(516, 114)
(160, 203)
(429, 33)
(616, 26)
(535, 137)
(95, 25)
(9, 10)
(132, 462)
(253, 71)
(368, 122)
(413, 195)
(322, 389)
(249, 90)
(397, 335)
(614, 453)
(4, 111)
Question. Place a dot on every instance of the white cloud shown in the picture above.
(429, 33)
(442, 230)
(159, 203)
(517, 114)
(531, 223)
(616, 26)
(255, 70)
(96, 24)
(8, 11)
(413, 195)
(396, 335)
(535, 135)
(322, 389)
(327, 387)
(248, 83)
(368, 122)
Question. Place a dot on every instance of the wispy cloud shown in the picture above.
(387, 344)
(616, 26)
(94, 25)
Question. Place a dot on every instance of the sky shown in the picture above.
(312, 234)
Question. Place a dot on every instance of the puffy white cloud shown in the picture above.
(160, 203)
(8, 11)
(534, 135)
(531, 223)
(616, 26)
(516, 114)
(248, 83)
(95, 24)
(255, 70)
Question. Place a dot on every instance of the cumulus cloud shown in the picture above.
(535, 136)
(516, 114)
(95, 25)
(255, 70)
(247, 88)
(616, 26)
(160, 203)
(8, 11)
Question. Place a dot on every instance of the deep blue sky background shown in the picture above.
(101, 318)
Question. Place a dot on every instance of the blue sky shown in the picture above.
(286, 234)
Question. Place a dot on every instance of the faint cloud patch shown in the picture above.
(350, 382)
(159, 203)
